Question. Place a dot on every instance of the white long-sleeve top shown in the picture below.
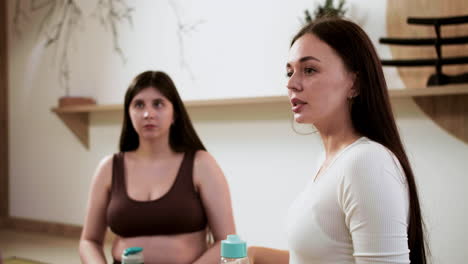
(357, 211)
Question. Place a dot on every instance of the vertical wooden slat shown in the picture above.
(4, 197)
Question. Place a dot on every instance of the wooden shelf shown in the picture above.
(77, 117)
(431, 91)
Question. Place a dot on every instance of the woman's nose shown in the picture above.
(293, 83)
(148, 113)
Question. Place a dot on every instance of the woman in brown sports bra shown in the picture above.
(162, 191)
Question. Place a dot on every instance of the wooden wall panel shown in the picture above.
(449, 112)
(50, 228)
(45, 227)
(3, 113)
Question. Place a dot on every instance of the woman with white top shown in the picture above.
(361, 204)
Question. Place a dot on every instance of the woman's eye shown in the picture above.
(309, 70)
(289, 74)
(158, 104)
(139, 105)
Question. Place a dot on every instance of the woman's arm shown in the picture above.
(262, 255)
(375, 202)
(216, 198)
(92, 237)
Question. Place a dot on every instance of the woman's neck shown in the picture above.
(333, 143)
(154, 149)
(337, 134)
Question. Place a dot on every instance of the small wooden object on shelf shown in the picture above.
(74, 100)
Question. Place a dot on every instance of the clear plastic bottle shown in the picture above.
(133, 255)
(234, 251)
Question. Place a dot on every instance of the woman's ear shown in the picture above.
(174, 117)
(354, 90)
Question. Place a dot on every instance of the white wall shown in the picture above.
(265, 162)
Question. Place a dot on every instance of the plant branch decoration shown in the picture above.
(57, 26)
(60, 19)
(328, 9)
(18, 15)
(184, 30)
(110, 13)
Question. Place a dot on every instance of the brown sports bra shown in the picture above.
(180, 210)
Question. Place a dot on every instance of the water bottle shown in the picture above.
(133, 255)
(234, 250)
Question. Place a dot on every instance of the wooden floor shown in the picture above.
(41, 247)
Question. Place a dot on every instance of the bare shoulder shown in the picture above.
(106, 163)
(103, 173)
(205, 167)
(204, 158)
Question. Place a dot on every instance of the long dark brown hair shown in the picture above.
(182, 135)
(371, 112)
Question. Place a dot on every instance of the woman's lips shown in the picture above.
(297, 108)
(297, 105)
(149, 126)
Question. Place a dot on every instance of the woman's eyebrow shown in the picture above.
(303, 59)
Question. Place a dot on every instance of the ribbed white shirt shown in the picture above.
(357, 211)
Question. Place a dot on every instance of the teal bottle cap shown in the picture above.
(132, 251)
(233, 247)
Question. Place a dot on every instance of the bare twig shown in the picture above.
(39, 4)
(110, 13)
(60, 19)
(184, 30)
(18, 16)
(57, 26)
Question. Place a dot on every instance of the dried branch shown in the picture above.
(18, 16)
(184, 30)
(61, 19)
(110, 13)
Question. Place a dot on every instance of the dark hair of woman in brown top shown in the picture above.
(160, 154)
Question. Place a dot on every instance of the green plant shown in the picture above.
(327, 9)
